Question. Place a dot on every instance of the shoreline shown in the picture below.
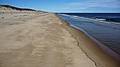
(96, 54)
(101, 45)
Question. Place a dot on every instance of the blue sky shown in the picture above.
(89, 6)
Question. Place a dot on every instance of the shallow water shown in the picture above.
(105, 32)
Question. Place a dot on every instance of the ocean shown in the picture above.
(105, 31)
(111, 17)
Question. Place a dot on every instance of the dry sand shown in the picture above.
(33, 39)
(38, 40)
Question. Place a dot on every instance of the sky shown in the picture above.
(74, 6)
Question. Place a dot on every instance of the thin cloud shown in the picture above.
(92, 4)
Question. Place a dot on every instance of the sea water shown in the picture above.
(105, 32)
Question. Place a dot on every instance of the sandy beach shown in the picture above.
(38, 39)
